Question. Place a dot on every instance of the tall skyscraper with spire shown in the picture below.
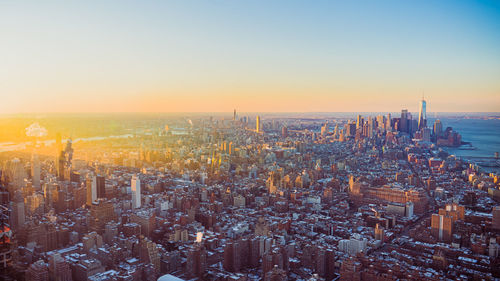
(257, 124)
(422, 116)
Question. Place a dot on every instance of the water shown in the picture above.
(10, 146)
(483, 134)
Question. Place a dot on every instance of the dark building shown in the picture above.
(101, 186)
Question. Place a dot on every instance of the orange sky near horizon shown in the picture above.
(255, 56)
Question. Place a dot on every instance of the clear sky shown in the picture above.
(255, 56)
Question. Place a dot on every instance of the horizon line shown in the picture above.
(237, 112)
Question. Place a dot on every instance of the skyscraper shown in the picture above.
(325, 129)
(14, 174)
(359, 122)
(35, 171)
(284, 132)
(495, 223)
(38, 271)
(91, 189)
(101, 187)
(422, 117)
(438, 128)
(257, 124)
(17, 216)
(58, 152)
(388, 126)
(135, 187)
(59, 269)
(403, 122)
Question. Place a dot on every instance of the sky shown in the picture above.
(254, 56)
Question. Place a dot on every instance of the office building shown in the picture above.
(101, 186)
(442, 227)
(37, 271)
(354, 245)
(136, 191)
(443, 222)
(18, 215)
(359, 122)
(403, 121)
(91, 189)
(59, 269)
(35, 171)
(495, 224)
(438, 129)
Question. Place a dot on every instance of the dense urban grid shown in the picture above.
(250, 198)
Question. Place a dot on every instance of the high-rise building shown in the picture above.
(86, 268)
(403, 122)
(18, 215)
(354, 245)
(380, 122)
(59, 269)
(58, 152)
(149, 253)
(422, 116)
(388, 125)
(442, 223)
(35, 171)
(37, 271)
(135, 187)
(196, 261)
(325, 129)
(359, 122)
(257, 124)
(351, 129)
(379, 232)
(426, 134)
(61, 160)
(495, 223)
(438, 128)
(146, 219)
(284, 132)
(442, 227)
(101, 212)
(14, 174)
(35, 203)
(91, 189)
(101, 186)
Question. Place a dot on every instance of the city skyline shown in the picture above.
(256, 57)
(249, 140)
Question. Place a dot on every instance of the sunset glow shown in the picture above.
(283, 56)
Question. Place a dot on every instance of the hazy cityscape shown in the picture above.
(242, 197)
(249, 140)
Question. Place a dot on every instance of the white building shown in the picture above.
(91, 189)
(135, 187)
(409, 209)
(239, 201)
(354, 245)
